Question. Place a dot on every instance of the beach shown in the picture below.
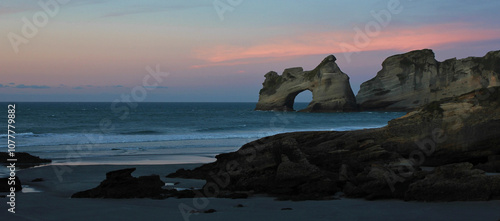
(171, 139)
(53, 202)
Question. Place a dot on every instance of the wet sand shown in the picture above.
(53, 202)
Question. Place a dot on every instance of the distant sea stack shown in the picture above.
(330, 88)
(411, 80)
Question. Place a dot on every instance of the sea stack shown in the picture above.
(330, 89)
(414, 79)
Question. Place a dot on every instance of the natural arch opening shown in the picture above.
(299, 100)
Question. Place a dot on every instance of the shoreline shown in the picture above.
(68, 157)
(54, 202)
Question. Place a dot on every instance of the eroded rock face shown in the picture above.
(455, 182)
(375, 163)
(416, 78)
(330, 88)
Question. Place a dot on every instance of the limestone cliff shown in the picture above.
(411, 80)
(330, 88)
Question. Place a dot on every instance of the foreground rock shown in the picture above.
(121, 184)
(375, 163)
(24, 160)
(455, 182)
(416, 78)
(329, 85)
(5, 184)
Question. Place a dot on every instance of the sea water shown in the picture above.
(142, 132)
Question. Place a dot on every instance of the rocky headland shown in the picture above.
(440, 152)
(411, 80)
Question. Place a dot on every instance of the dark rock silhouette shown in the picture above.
(24, 160)
(121, 184)
(5, 187)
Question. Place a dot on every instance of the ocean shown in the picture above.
(156, 133)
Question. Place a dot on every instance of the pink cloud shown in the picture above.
(402, 39)
(219, 64)
(250, 60)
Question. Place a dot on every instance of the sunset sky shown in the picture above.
(98, 50)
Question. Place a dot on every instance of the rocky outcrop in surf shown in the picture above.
(330, 89)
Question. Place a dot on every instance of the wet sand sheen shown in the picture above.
(54, 202)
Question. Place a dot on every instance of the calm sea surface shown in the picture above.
(53, 130)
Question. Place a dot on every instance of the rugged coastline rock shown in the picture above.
(416, 78)
(5, 184)
(374, 163)
(24, 160)
(455, 182)
(121, 184)
(329, 85)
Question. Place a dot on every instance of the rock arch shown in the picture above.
(330, 88)
(301, 98)
(290, 99)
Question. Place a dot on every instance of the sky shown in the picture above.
(218, 50)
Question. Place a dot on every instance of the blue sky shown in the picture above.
(98, 50)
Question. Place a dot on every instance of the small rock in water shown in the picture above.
(239, 205)
(286, 208)
(210, 211)
(38, 180)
